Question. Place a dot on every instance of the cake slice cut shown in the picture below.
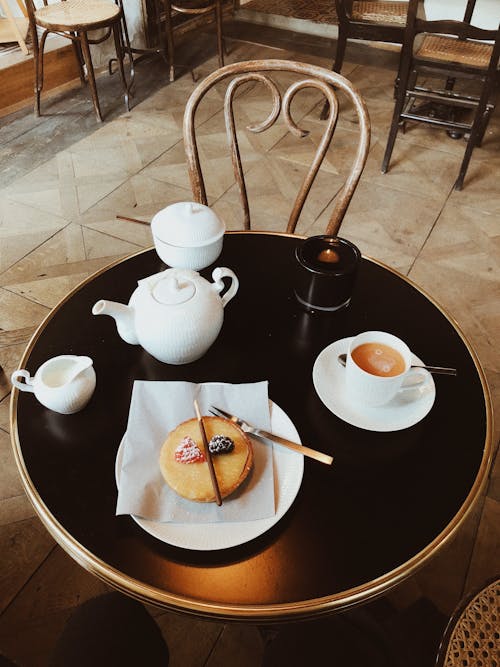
(184, 466)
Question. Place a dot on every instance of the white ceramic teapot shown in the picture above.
(175, 315)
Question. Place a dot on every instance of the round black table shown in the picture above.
(355, 529)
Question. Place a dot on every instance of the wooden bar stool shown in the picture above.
(73, 19)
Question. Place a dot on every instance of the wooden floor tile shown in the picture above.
(484, 562)
(25, 545)
(139, 198)
(238, 645)
(415, 169)
(388, 225)
(459, 265)
(22, 229)
(190, 640)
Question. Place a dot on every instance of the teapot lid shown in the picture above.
(173, 289)
(187, 225)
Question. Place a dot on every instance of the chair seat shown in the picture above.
(78, 13)
(390, 13)
(451, 50)
(474, 638)
(193, 6)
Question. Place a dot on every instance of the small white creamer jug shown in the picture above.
(64, 384)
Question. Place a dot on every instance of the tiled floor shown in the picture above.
(63, 180)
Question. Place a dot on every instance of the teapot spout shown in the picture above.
(124, 318)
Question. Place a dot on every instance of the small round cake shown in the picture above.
(184, 466)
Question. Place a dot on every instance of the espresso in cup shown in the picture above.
(377, 369)
(379, 359)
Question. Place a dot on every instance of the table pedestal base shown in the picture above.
(376, 635)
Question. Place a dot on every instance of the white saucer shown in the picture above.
(329, 382)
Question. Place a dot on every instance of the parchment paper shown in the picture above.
(158, 407)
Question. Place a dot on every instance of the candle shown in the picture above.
(328, 255)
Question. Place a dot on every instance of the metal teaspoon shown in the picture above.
(439, 370)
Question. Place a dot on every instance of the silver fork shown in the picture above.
(260, 434)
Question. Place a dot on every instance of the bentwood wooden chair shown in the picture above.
(266, 72)
(205, 10)
(448, 52)
(368, 21)
(74, 19)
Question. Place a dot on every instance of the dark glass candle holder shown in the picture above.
(326, 272)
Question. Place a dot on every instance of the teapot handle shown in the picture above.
(218, 284)
(23, 386)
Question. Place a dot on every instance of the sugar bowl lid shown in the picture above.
(187, 225)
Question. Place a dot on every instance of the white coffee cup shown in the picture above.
(371, 389)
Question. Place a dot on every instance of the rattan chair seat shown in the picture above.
(475, 637)
(451, 50)
(80, 13)
(380, 12)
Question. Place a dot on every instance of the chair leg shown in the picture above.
(119, 55)
(39, 73)
(482, 130)
(397, 81)
(36, 88)
(170, 39)
(79, 58)
(477, 130)
(340, 52)
(398, 107)
(126, 47)
(220, 40)
(336, 67)
(90, 73)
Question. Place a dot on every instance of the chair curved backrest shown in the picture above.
(329, 83)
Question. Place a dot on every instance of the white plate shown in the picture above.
(288, 472)
(329, 382)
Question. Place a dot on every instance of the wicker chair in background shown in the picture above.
(448, 50)
(472, 637)
(308, 76)
(73, 19)
(368, 21)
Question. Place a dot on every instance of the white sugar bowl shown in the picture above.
(187, 235)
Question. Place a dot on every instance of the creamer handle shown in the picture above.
(23, 386)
